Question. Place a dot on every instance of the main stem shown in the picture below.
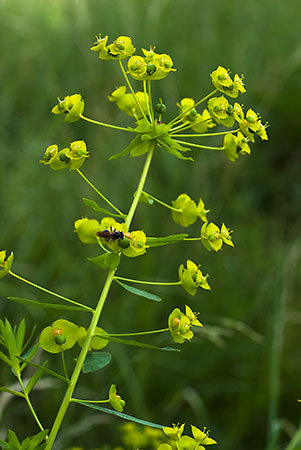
(96, 315)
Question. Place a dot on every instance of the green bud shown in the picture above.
(121, 47)
(167, 65)
(61, 105)
(134, 67)
(160, 108)
(64, 158)
(60, 339)
(230, 110)
(150, 69)
(124, 243)
(193, 113)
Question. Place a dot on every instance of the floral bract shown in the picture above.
(213, 238)
(188, 212)
(5, 264)
(72, 156)
(86, 230)
(72, 106)
(222, 81)
(153, 66)
(121, 48)
(62, 335)
(191, 278)
(115, 400)
(126, 102)
(97, 342)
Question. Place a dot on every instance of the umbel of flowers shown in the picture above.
(112, 233)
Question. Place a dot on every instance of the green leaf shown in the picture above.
(50, 372)
(33, 442)
(139, 292)
(13, 439)
(5, 359)
(28, 302)
(11, 391)
(173, 148)
(95, 361)
(145, 198)
(5, 445)
(20, 335)
(35, 378)
(136, 343)
(121, 415)
(141, 149)
(92, 204)
(106, 261)
(134, 143)
(165, 240)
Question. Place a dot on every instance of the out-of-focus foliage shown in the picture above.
(239, 382)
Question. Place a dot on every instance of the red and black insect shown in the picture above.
(111, 234)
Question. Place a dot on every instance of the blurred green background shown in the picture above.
(240, 384)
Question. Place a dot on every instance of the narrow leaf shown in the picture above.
(33, 442)
(136, 343)
(50, 372)
(121, 415)
(11, 391)
(95, 361)
(35, 378)
(28, 302)
(140, 149)
(135, 142)
(5, 359)
(139, 292)
(106, 261)
(20, 335)
(165, 240)
(92, 204)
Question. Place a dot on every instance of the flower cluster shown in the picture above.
(189, 115)
(72, 156)
(191, 278)
(126, 102)
(121, 48)
(5, 264)
(222, 81)
(213, 237)
(188, 211)
(151, 66)
(72, 106)
(113, 234)
(179, 324)
(184, 442)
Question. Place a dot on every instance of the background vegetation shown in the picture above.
(243, 385)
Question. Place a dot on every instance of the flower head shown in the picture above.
(174, 432)
(188, 212)
(153, 66)
(191, 278)
(121, 48)
(202, 437)
(72, 106)
(62, 335)
(179, 326)
(222, 81)
(213, 238)
(220, 111)
(5, 264)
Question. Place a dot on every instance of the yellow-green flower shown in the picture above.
(62, 335)
(174, 432)
(56, 159)
(121, 48)
(202, 437)
(222, 81)
(179, 326)
(191, 277)
(212, 237)
(5, 264)
(153, 66)
(250, 121)
(186, 110)
(127, 103)
(220, 111)
(188, 210)
(192, 316)
(137, 68)
(72, 106)
(234, 145)
(115, 400)
(77, 153)
(97, 343)
(202, 122)
(188, 443)
(86, 230)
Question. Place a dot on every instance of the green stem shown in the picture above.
(150, 100)
(162, 203)
(155, 283)
(198, 145)
(102, 246)
(133, 334)
(295, 442)
(140, 186)
(194, 239)
(147, 101)
(98, 192)
(30, 404)
(95, 319)
(50, 292)
(131, 89)
(96, 122)
(208, 134)
(64, 365)
(192, 107)
(80, 361)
